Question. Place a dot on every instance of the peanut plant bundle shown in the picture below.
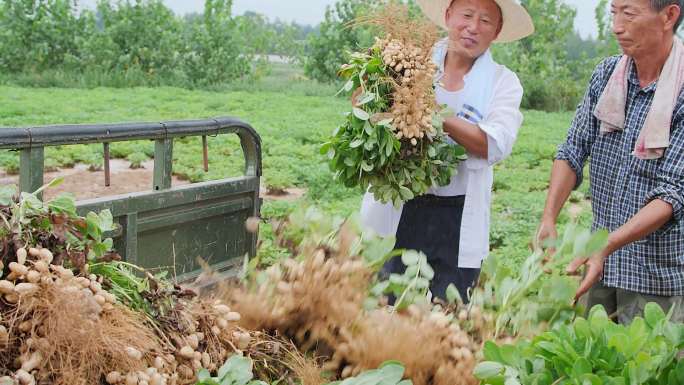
(392, 141)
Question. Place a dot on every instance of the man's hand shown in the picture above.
(650, 218)
(593, 273)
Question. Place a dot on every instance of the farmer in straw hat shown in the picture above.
(451, 224)
(631, 124)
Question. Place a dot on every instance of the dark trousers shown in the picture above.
(432, 225)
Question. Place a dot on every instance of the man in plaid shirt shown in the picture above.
(640, 201)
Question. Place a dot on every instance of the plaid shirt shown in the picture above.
(622, 184)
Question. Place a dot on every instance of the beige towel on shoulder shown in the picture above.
(654, 137)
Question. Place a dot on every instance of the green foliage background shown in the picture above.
(132, 43)
(47, 43)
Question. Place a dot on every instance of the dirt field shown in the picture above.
(86, 184)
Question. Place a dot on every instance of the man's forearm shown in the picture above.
(563, 180)
(649, 219)
(467, 135)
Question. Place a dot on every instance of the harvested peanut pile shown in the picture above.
(71, 313)
(61, 328)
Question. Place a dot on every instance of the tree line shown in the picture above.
(142, 42)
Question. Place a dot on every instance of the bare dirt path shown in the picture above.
(86, 184)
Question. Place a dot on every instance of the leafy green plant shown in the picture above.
(593, 351)
(94, 161)
(410, 287)
(51, 165)
(539, 293)
(96, 225)
(237, 370)
(26, 220)
(137, 288)
(277, 181)
(137, 159)
(125, 283)
(11, 165)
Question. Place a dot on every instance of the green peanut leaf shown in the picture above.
(360, 114)
(488, 369)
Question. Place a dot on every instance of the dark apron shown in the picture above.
(432, 224)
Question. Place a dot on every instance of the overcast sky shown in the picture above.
(312, 11)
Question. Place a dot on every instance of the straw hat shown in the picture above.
(517, 23)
